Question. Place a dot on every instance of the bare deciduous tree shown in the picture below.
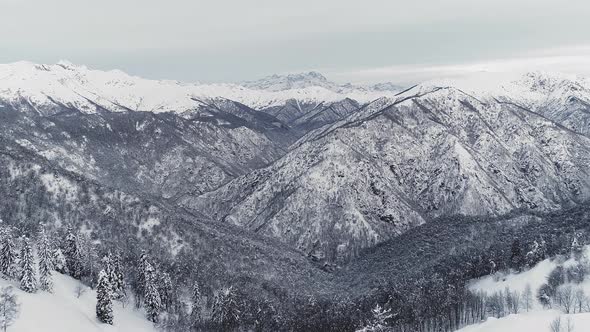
(569, 326)
(9, 307)
(79, 291)
(527, 297)
(564, 296)
(580, 299)
(555, 325)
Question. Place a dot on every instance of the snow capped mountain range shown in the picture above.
(313, 79)
(299, 181)
(87, 90)
(329, 169)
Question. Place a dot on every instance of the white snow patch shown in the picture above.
(62, 311)
(538, 319)
(498, 282)
(534, 321)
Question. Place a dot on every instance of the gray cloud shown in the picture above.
(222, 40)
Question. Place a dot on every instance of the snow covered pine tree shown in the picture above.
(152, 299)
(71, 251)
(45, 263)
(28, 279)
(118, 280)
(8, 254)
(104, 304)
(196, 316)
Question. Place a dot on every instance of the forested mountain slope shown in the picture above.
(397, 163)
(304, 197)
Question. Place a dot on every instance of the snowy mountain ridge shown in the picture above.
(88, 90)
(465, 146)
(310, 79)
(399, 162)
(210, 174)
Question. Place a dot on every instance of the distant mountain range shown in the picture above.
(313, 79)
(89, 90)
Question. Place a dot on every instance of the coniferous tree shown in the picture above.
(107, 267)
(28, 280)
(118, 278)
(165, 290)
(104, 305)
(226, 310)
(45, 263)
(196, 316)
(516, 257)
(89, 259)
(378, 322)
(152, 300)
(71, 251)
(8, 255)
(59, 261)
(576, 248)
(140, 279)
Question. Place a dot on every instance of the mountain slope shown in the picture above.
(161, 154)
(395, 164)
(535, 318)
(62, 311)
(34, 192)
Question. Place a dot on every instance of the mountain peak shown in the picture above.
(278, 82)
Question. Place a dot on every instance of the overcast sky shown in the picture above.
(368, 41)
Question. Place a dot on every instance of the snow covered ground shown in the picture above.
(533, 321)
(62, 311)
(534, 277)
(537, 319)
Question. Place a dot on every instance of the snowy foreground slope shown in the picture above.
(62, 311)
(538, 318)
(535, 321)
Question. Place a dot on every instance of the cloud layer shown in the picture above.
(220, 40)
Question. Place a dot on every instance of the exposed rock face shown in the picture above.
(400, 162)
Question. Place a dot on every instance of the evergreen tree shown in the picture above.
(516, 257)
(59, 261)
(89, 259)
(71, 251)
(165, 290)
(118, 281)
(576, 248)
(107, 267)
(28, 280)
(8, 255)
(152, 300)
(226, 310)
(196, 316)
(535, 255)
(140, 280)
(45, 263)
(379, 320)
(104, 305)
